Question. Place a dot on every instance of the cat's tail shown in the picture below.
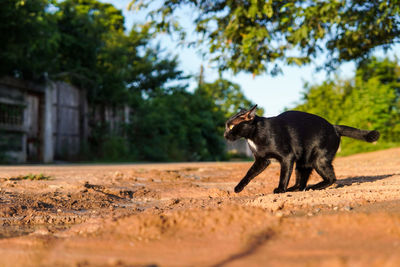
(364, 135)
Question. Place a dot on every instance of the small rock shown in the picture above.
(347, 208)
(115, 262)
(310, 214)
(276, 206)
(335, 208)
(59, 210)
(118, 174)
(41, 231)
(279, 214)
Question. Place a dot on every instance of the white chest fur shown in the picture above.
(251, 144)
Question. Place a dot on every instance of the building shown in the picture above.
(41, 122)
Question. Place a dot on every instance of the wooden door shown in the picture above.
(34, 128)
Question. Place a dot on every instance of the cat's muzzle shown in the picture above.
(230, 137)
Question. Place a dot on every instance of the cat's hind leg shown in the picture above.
(302, 176)
(286, 172)
(325, 169)
(258, 166)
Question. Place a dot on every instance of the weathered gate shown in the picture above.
(34, 124)
(69, 120)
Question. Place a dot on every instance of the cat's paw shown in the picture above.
(239, 188)
(293, 189)
(279, 190)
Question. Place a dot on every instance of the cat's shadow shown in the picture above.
(255, 243)
(361, 179)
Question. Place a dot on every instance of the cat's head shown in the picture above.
(238, 125)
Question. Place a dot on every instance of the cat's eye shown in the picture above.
(231, 127)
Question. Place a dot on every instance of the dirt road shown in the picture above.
(188, 215)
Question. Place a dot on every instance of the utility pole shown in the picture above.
(201, 76)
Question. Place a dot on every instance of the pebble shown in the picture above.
(276, 206)
(115, 262)
(347, 208)
(335, 208)
(41, 231)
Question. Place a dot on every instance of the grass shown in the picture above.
(354, 147)
(234, 156)
(32, 177)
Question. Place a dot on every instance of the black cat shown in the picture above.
(292, 137)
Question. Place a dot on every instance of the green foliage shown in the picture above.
(349, 147)
(108, 62)
(227, 96)
(256, 36)
(84, 42)
(177, 126)
(371, 100)
(31, 177)
(99, 25)
(28, 38)
(107, 147)
(326, 99)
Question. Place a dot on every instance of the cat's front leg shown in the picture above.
(286, 171)
(258, 166)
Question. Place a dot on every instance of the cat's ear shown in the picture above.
(251, 114)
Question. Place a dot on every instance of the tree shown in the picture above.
(84, 42)
(28, 38)
(98, 63)
(370, 100)
(114, 66)
(227, 96)
(326, 99)
(256, 36)
(177, 126)
(378, 83)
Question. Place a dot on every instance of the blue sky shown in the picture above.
(274, 94)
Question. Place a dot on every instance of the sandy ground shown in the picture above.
(187, 215)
